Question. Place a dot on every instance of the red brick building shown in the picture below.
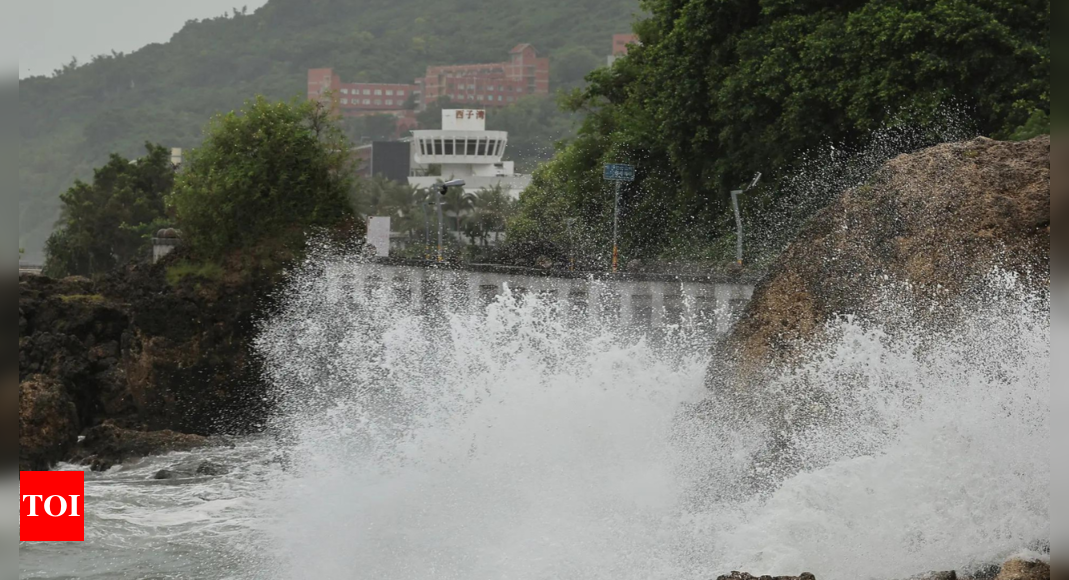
(489, 85)
(486, 85)
(621, 42)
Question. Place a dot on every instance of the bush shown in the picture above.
(267, 174)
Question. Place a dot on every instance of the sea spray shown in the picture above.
(522, 441)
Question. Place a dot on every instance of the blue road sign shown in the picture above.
(619, 172)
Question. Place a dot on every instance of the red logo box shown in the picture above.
(51, 506)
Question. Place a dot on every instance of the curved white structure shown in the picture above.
(464, 149)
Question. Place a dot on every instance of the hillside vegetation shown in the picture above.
(165, 93)
(722, 89)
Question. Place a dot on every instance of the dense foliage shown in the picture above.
(264, 176)
(469, 219)
(111, 220)
(165, 92)
(721, 89)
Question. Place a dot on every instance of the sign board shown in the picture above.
(463, 119)
(619, 172)
(378, 235)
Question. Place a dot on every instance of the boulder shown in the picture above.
(933, 222)
(212, 469)
(107, 445)
(1024, 570)
(745, 576)
(48, 423)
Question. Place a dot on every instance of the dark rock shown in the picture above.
(745, 576)
(110, 445)
(212, 469)
(165, 474)
(48, 423)
(138, 353)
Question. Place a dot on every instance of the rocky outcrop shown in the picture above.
(48, 423)
(1024, 570)
(138, 353)
(107, 445)
(932, 221)
(745, 576)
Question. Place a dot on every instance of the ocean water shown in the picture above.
(521, 441)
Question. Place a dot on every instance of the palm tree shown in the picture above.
(457, 201)
(492, 208)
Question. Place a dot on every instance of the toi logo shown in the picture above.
(52, 506)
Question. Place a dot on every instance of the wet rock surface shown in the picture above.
(934, 221)
(138, 354)
(1024, 570)
(107, 445)
(745, 576)
(48, 423)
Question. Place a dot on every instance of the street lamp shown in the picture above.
(442, 188)
(738, 217)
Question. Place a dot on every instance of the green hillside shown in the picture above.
(165, 93)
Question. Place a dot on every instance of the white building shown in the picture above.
(464, 149)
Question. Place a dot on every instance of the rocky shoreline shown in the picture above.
(131, 365)
(1016, 569)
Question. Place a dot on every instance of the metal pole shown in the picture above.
(426, 232)
(738, 225)
(438, 199)
(616, 229)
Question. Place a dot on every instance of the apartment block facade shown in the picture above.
(484, 85)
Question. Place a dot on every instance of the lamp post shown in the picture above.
(571, 243)
(442, 188)
(738, 217)
(426, 231)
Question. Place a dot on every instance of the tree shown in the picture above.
(721, 89)
(265, 174)
(111, 220)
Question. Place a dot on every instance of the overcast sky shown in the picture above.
(50, 32)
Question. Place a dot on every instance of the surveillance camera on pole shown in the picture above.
(442, 188)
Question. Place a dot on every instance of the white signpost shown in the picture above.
(618, 173)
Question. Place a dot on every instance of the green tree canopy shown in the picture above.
(265, 174)
(111, 220)
(721, 89)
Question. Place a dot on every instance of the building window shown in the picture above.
(345, 101)
(480, 97)
(422, 148)
(482, 147)
(389, 102)
(437, 146)
(499, 97)
(378, 92)
(510, 99)
(367, 101)
(345, 91)
(400, 93)
(378, 101)
(471, 143)
(448, 146)
(367, 91)
(389, 93)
